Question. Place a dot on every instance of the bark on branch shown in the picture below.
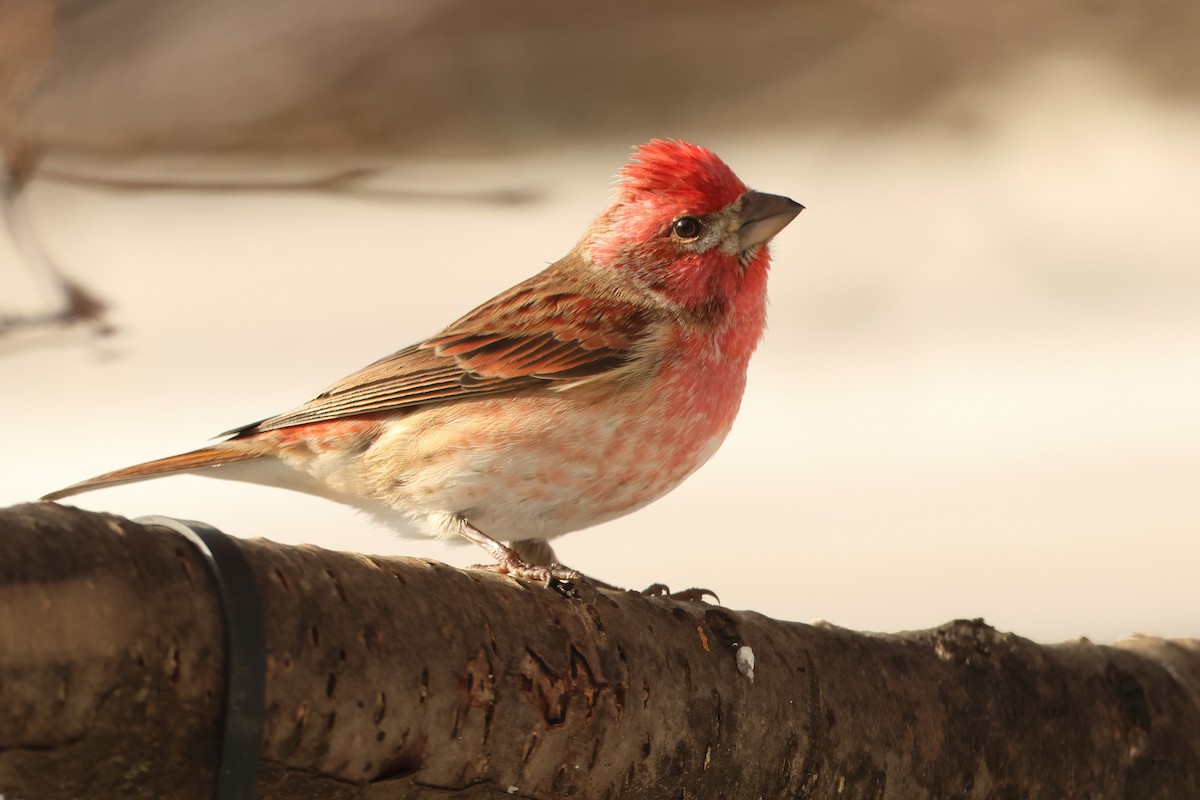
(402, 678)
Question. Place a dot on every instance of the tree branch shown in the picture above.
(401, 678)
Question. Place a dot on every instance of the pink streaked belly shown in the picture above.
(537, 467)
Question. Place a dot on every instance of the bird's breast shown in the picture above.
(541, 464)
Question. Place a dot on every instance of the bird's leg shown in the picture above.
(509, 562)
(73, 302)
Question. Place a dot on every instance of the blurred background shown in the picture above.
(980, 390)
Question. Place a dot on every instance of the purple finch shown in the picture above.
(577, 396)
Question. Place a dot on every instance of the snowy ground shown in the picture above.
(979, 395)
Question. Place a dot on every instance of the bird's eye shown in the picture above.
(687, 229)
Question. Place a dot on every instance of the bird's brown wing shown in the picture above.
(528, 336)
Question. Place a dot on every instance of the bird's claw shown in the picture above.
(693, 595)
(561, 579)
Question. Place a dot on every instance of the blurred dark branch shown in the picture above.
(27, 34)
(371, 81)
(71, 302)
(347, 183)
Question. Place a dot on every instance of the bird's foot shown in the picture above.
(509, 562)
(693, 595)
(561, 579)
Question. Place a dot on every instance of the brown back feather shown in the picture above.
(526, 338)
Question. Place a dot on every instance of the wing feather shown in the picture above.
(514, 342)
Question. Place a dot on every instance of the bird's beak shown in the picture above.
(763, 216)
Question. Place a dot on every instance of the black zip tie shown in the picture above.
(244, 667)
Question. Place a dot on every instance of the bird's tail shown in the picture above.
(214, 456)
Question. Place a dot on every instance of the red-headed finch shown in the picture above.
(578, 395)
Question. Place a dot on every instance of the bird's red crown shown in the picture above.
(690, 175)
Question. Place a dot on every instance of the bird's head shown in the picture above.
(683, 225)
